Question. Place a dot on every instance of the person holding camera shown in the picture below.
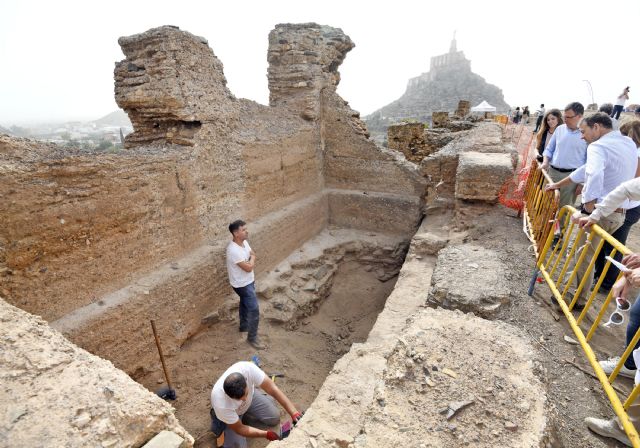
(619, 106)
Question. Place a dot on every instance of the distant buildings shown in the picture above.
(100, 133)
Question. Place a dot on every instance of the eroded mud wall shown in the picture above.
(100, 243)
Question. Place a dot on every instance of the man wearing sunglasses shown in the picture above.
(611, 160)
(565, 152)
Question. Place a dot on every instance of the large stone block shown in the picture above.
(484, 289)
(440, 119)
(410, 140)
(378, 212)
(464, 107)
(166, 439)
(480, 176)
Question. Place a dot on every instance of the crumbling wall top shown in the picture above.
(170, 83)
(304, 60)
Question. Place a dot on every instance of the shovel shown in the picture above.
(167, 392)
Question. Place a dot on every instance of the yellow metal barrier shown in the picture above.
(540, 207)
(558, 263)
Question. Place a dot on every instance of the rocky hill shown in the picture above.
(449, 80)
(115, 118)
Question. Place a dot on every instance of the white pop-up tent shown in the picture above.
(483, 107)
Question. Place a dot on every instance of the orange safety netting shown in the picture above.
(512, 192)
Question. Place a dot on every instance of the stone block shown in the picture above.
(428, 243)
(166, 439)
(464, 107)
(484, 289)
(440, 119)
(480, 176)
(409, 139)
(378, 212)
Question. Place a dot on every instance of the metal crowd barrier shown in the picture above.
(540, 207)
(558, 263)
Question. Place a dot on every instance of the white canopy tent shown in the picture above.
(483, 107)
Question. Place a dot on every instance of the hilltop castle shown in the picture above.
(448, 80)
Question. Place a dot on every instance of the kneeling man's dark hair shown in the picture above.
(235, 225)
(601, 118)
(235, 385)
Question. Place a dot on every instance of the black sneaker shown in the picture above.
(256, 343)
(578, 307)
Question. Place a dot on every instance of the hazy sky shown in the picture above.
(58, 56)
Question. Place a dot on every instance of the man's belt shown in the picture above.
(563, 170)
(584, 211)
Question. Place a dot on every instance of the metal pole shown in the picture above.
(590, 90)
(532, 284)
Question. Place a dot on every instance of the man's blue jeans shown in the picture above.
(632, 327)
(249, 310)
(617, 110)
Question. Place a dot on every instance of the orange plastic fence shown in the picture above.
(512, 192)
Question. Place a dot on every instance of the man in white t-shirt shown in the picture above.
(241, 260)
(237, 406)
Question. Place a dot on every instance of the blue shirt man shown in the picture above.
(566, 151)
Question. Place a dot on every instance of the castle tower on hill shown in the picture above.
(454, 57)
(448, 80)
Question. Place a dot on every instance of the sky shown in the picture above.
(57, 57)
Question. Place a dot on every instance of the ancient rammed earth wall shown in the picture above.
(100, 243)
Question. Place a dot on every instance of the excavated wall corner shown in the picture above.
(122, 238)
(140, 234)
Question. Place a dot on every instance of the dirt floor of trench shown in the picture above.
(305, 355)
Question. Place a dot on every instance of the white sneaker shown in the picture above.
(607, 428)
(611, 364)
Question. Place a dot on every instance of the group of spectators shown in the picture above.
(523, 115)
(596, 158)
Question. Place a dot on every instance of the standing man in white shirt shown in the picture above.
(619, 107)
(540, 113)
(241, 260)
(611, 160)
(565, 152)
(237, 406)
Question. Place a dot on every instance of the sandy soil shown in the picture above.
(305, 356)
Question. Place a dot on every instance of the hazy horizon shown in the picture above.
(59, 57)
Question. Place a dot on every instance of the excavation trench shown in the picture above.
(314, 306)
